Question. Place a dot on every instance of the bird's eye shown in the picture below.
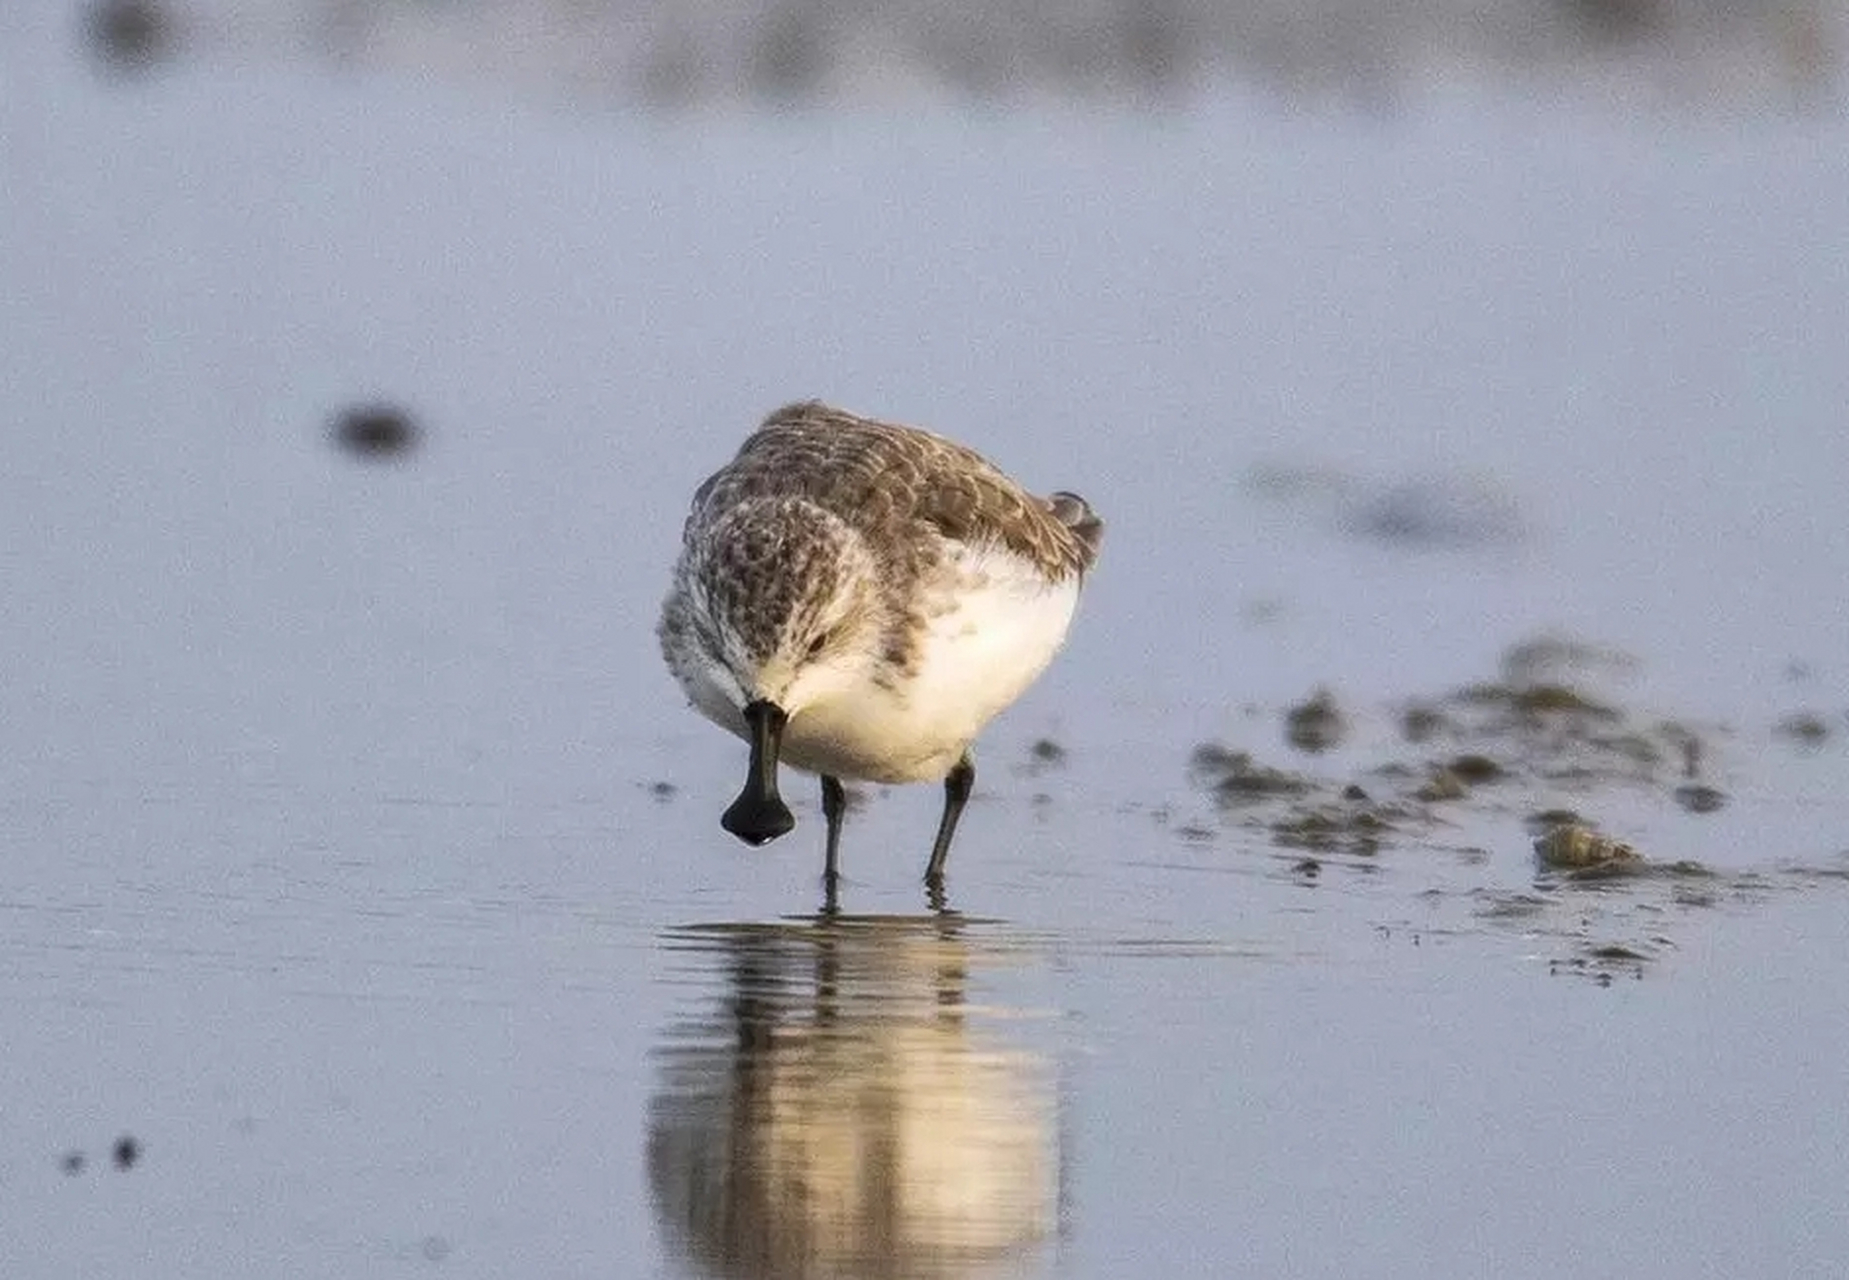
(818, 644)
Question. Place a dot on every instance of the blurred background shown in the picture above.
(669, 54)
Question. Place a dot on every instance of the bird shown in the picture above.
(858, 599)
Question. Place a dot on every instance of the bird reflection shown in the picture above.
(845, 1112)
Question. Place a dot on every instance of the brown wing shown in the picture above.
(877, 474)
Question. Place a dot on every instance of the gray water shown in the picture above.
(361, 863)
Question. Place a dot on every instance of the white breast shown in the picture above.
(994, 622)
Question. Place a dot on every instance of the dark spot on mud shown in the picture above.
(1436, 513)
(130, 34)
(1420, 723)
(1308, 868)
(1432, 512)
(1354, 791)
(434, 1248)
(1210, 759)
(1047, 752)
(1328, 829)
(1476, 769)
(1355, 827)
(1316, 724)
(1601, 969)
(1615, 951)
(1687, 744)
(72, 1163)
(1235, 778)
(663, 791)
(1699, 799)
(126, 1153)
(1257, 781)
(376, 432)
(1804, 729)
(1453, 779)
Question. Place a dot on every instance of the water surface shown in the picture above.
(359, 861)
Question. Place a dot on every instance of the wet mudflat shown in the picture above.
(512, 1036)
(363, 907)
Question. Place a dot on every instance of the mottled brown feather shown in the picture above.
(884, 479)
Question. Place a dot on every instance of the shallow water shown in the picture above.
(359, 861)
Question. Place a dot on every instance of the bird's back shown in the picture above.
(886, 480)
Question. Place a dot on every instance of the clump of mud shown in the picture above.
(1314, 815)
(1534, 748)
(1343, 826)
(1541, 723)
(1235, 778)
(1420, 723)
(1803, 729)
(1697, 797)
(1454, 779)
(1316, 724)
(1533, 729)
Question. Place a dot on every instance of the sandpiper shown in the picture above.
(859, 599)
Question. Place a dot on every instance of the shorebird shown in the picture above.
(859, 599)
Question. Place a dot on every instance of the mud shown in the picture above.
(1494, 759)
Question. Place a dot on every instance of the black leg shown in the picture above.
(834, 804)
(957, 785)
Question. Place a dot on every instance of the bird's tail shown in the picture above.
(1076, 514)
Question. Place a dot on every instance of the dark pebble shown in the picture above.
(1316, 724)
(376, 431)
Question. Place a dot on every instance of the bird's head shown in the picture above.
(788, 611)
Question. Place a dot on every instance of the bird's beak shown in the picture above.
(759, 815)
